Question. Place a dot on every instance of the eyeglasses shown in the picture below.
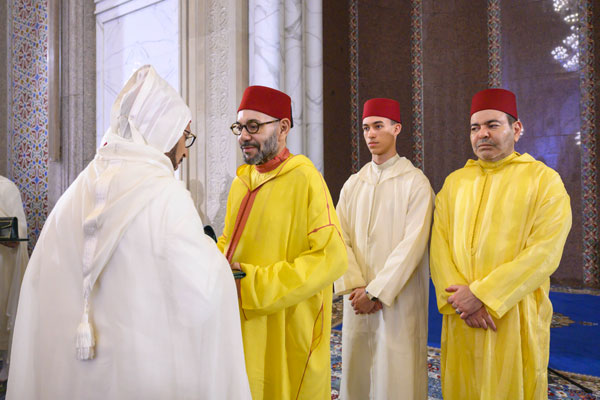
(252, 126)
(190, 138)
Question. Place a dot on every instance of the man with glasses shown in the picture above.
(125, 296)
(282, 231)
(180, 150)
(500, 225)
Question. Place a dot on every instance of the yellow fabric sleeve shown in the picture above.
(353, 277)
(269, 288)
(510, 282)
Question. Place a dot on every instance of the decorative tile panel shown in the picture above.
(355, 112)
(416, 56)
(29, 109)
(494, 44)
(589, 155)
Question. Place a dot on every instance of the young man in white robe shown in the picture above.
(13, 261)
(385, 212)
(125, 297)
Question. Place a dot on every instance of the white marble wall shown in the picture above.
(129, 34)
(286, 52)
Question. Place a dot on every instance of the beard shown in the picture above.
(266, 152)
(172, 154)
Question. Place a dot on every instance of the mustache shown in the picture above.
(485, 141)
(248, 143)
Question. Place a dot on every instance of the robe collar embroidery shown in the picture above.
(274, 162)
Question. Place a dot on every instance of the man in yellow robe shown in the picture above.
(500, 225)
(282, 231)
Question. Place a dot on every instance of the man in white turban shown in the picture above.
(125, 296)
(13, 260)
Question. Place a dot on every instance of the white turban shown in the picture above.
(149, 111)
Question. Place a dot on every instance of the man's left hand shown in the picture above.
(236, 266)
(463, 300)
(12, 245)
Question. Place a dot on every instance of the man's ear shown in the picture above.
(397, 129)
(518, 130)
(284, 127)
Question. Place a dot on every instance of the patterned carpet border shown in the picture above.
(562, 289)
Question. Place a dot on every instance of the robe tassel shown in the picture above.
(84, 341)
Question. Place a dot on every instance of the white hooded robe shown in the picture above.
(161, 297)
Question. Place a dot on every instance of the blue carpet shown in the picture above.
(435, 320)
(574, 336)
(575, 333)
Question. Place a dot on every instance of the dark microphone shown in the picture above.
(210, 232)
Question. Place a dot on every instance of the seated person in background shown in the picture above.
(13, 261)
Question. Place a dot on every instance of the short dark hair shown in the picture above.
(511, 119)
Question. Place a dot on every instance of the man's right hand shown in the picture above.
(362, 304)
(238, 285)
(12, 245)
(481, 319)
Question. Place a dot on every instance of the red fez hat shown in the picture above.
(381, 107)
(267, 100)
(495, 99)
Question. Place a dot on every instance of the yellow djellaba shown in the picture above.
(292, 251)
(499, 227)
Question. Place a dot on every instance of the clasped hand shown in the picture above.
(362, 304)
(469, 307)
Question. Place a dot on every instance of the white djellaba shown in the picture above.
(13, 262)
(385, 213)
(125, 296)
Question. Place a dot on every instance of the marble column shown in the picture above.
(313, 67)
(214, 76)
(4, 84)
(293, 71)
(285, 52)
(77, 96)
(265, 22)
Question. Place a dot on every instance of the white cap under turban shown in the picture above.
(149, 111)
